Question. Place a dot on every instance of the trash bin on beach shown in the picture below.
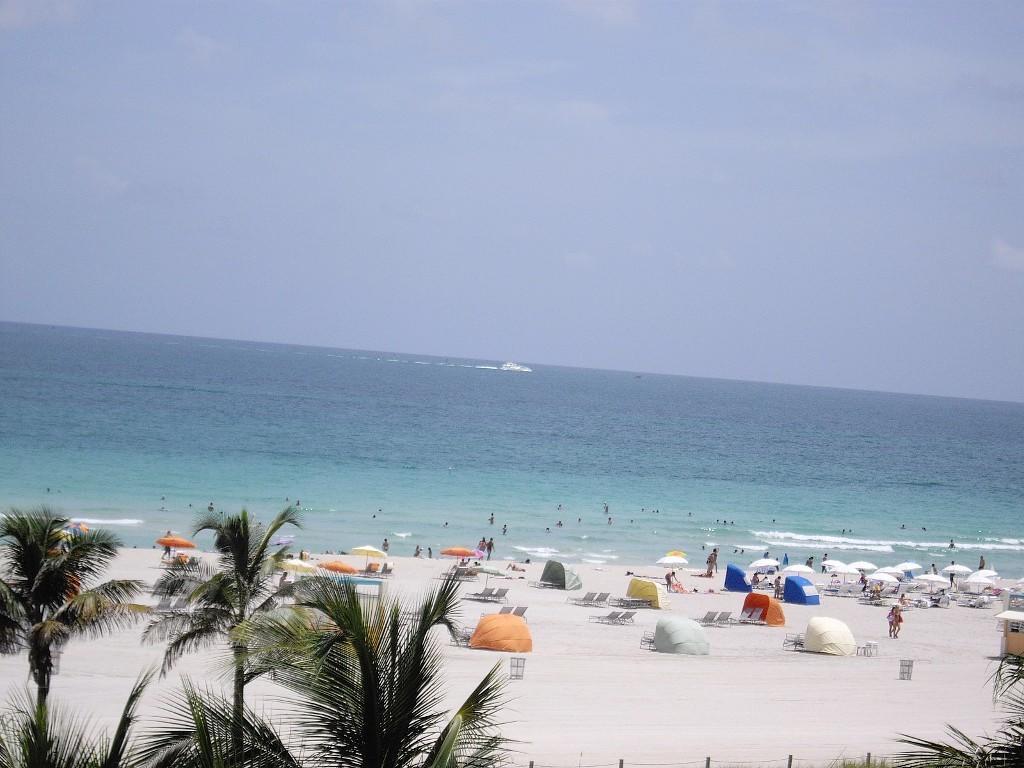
(516, 668)
(906, 668)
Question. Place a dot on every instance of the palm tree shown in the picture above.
(369, 677)
(47, 594)
(35, 734)
(223, 599)
(1003, 749)
(199, 730)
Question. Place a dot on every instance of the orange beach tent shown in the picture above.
(339, 567)
(771, 609)
(502, 632)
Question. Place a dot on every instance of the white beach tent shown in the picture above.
(675, 634)
(764, 562)
(828, 635)
(830, 565)
(978, 583)
(988, 573)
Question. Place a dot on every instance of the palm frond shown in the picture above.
(196, 732)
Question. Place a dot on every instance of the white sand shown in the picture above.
(591, 689)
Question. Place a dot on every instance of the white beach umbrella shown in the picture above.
(828, 565)
(846, 570)
(765, 562)
(797, 568)
(988, 573)
(976, 579)
(909, 566)
(863, 565)
(885, 578)
(959, 570)
(932, 579)
(294, 565)
(672, 560)
(891, 570)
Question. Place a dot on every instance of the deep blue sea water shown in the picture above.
(129, 430)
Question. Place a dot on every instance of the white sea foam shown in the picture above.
(486, 367)
(537, 551)
(104, 521)
(819, 541)
(592, 561)
(402, 534)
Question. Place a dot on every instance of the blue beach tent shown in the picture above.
(736, 579)
(800, 591)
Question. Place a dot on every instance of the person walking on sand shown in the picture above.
(385, 546)
(778, 587)
(895, 621)
(167, 549)
(714, 558)
(490, 547)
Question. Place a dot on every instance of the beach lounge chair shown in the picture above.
(506, 609)
(587, 599)
(484, 594)
(626, 618)
(724, 619)
(794, 642)
(601, 599)
(461, 637)
(499, 596)
(520, 612)
(709, 618)
(647, 641)
(163, 605)
(611, 618)
(752, 616)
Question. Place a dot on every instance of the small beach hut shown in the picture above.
(675, 634)
(736, 579)
(800, 591)
(502, 632)
(557, 576)
(770, 608)
(641, 589)
(831, 636)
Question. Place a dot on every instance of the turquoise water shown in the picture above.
(129, 430)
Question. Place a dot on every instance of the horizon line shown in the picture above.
(541, 363)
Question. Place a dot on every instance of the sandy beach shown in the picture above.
(591, 695)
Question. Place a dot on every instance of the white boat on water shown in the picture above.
(516, 367)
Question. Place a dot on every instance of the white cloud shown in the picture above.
(28, 13)
(1005, 256)
(199, 47)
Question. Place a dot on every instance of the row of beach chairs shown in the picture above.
(167, 605)
(591, 599)
(489, 595)
(716, 619)
(519, 611)
(615, 617)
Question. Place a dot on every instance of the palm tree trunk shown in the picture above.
(238, 709)
(41, 664)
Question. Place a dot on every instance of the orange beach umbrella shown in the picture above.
(338, 567)
(175, 542)
(458, 552)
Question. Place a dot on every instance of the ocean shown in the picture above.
(140, 432)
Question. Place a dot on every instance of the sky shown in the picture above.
(813, 193)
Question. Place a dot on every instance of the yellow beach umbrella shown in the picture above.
(295, 565)
(367, 550)
(675, 553)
